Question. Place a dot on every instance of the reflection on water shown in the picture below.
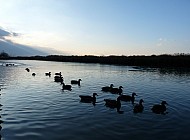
(37, 107)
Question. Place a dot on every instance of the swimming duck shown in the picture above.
(66, 87)
(58, 78)
(59, 73)
(128, 97)
(107, 88)
(48, 73)
(138, 107)
(87, 98)
(27, 69)
(116, 90)
(159, 109)
(76, 81)
(113, 103)
(33, 74)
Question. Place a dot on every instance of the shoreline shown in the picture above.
(153, 61)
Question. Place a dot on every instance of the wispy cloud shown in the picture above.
(27, 44)
(4, 33)
(13, 48)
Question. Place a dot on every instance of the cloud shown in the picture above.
(4, 33)
(17, 44)
(15, 49)
(15, 34)
(162, 42)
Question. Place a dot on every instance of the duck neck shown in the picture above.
(133, 96)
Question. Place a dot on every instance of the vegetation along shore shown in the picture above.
(157, 61)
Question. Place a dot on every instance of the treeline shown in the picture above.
(160, 61)
(4, 55)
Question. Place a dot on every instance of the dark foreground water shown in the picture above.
(35, 108)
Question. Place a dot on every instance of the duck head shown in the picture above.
(134, 94)
(111, 85)
(164, 103)
(95, 94)
(141, 101)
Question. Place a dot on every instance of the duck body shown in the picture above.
(27, 69)
(107, 88)
(159, 109)
(76, 81)
(113, 103)
(88, 99)
(58, 73)
(116, 90)
(128, 98)
(138, 108)
(33, 74)
(66, 87)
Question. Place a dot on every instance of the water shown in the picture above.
(37, 108)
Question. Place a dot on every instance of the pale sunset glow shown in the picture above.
(98, 27)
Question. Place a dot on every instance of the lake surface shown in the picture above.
(36, 108)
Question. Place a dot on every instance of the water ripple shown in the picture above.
(37, 108)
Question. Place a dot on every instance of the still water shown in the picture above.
(35, 108)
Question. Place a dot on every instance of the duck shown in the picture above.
(128, 98)
(107, 88)
(159, 108)
(113, 103)
(88, 99)
(76, 81)
(27, 69)
(48, 73)
(138, 108)
(116, 90)
(66, 87)
(58, 78)
(33, 74)
(58, 73)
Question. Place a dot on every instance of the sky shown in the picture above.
(99, 27)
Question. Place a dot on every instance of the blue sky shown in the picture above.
(99, 27)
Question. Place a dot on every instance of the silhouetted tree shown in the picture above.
(4, 55)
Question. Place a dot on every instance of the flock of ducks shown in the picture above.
(137, 108)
